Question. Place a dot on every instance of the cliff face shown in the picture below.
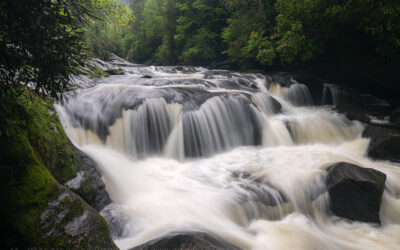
(49, 190)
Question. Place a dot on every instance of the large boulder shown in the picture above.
(69, 222)
(195, 240)
(355, 192)
(37, 211)
(384, 144)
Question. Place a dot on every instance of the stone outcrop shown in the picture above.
(195, 240)
(37, 211)
(355, 192)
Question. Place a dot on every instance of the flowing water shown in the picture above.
(238, 156)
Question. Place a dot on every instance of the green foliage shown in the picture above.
(97, 73)
(305, 30)
(104, 38)
(279, 33)
(115, 11)
(198, 31)
(247, 19)
(39, 45)
(175, 31)
(41, 42)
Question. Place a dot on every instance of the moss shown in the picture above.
(26, 187)
(97, 73)
(50, 141)
(115, 71)
(36, 155)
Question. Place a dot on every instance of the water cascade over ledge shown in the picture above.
(186, 149)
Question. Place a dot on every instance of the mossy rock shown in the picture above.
(96, 72)
(115, 71)
(36, 155)
(59, 156)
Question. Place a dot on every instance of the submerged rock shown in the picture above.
(355, 192)
(186, 241)
(384, 144)
(88, 183)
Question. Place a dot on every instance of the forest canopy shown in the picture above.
(262, 32)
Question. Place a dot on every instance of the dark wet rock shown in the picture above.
(384, 144)
(70, 223)
(358, 115)
(195, 240)
(147, 76)
(277, 106)
(395, 117)
(355, 192)
(361, 112)
(88, 183)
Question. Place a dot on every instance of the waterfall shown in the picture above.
(189, 149)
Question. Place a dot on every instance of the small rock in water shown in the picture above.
(355, 192)
(186, 241)
(384, 144)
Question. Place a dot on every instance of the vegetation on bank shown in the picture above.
(42, 44)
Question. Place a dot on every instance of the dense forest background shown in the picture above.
(257, 32)
(353, 40)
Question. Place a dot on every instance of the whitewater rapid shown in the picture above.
(242, 157)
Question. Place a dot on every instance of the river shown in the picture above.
(242, 157)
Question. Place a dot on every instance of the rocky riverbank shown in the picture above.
(51, 193)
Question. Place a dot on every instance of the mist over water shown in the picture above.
(238, 156)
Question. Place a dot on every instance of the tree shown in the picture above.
(247, 18)
(41, 42)
(198, 31)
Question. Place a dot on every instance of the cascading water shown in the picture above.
(186, 149)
